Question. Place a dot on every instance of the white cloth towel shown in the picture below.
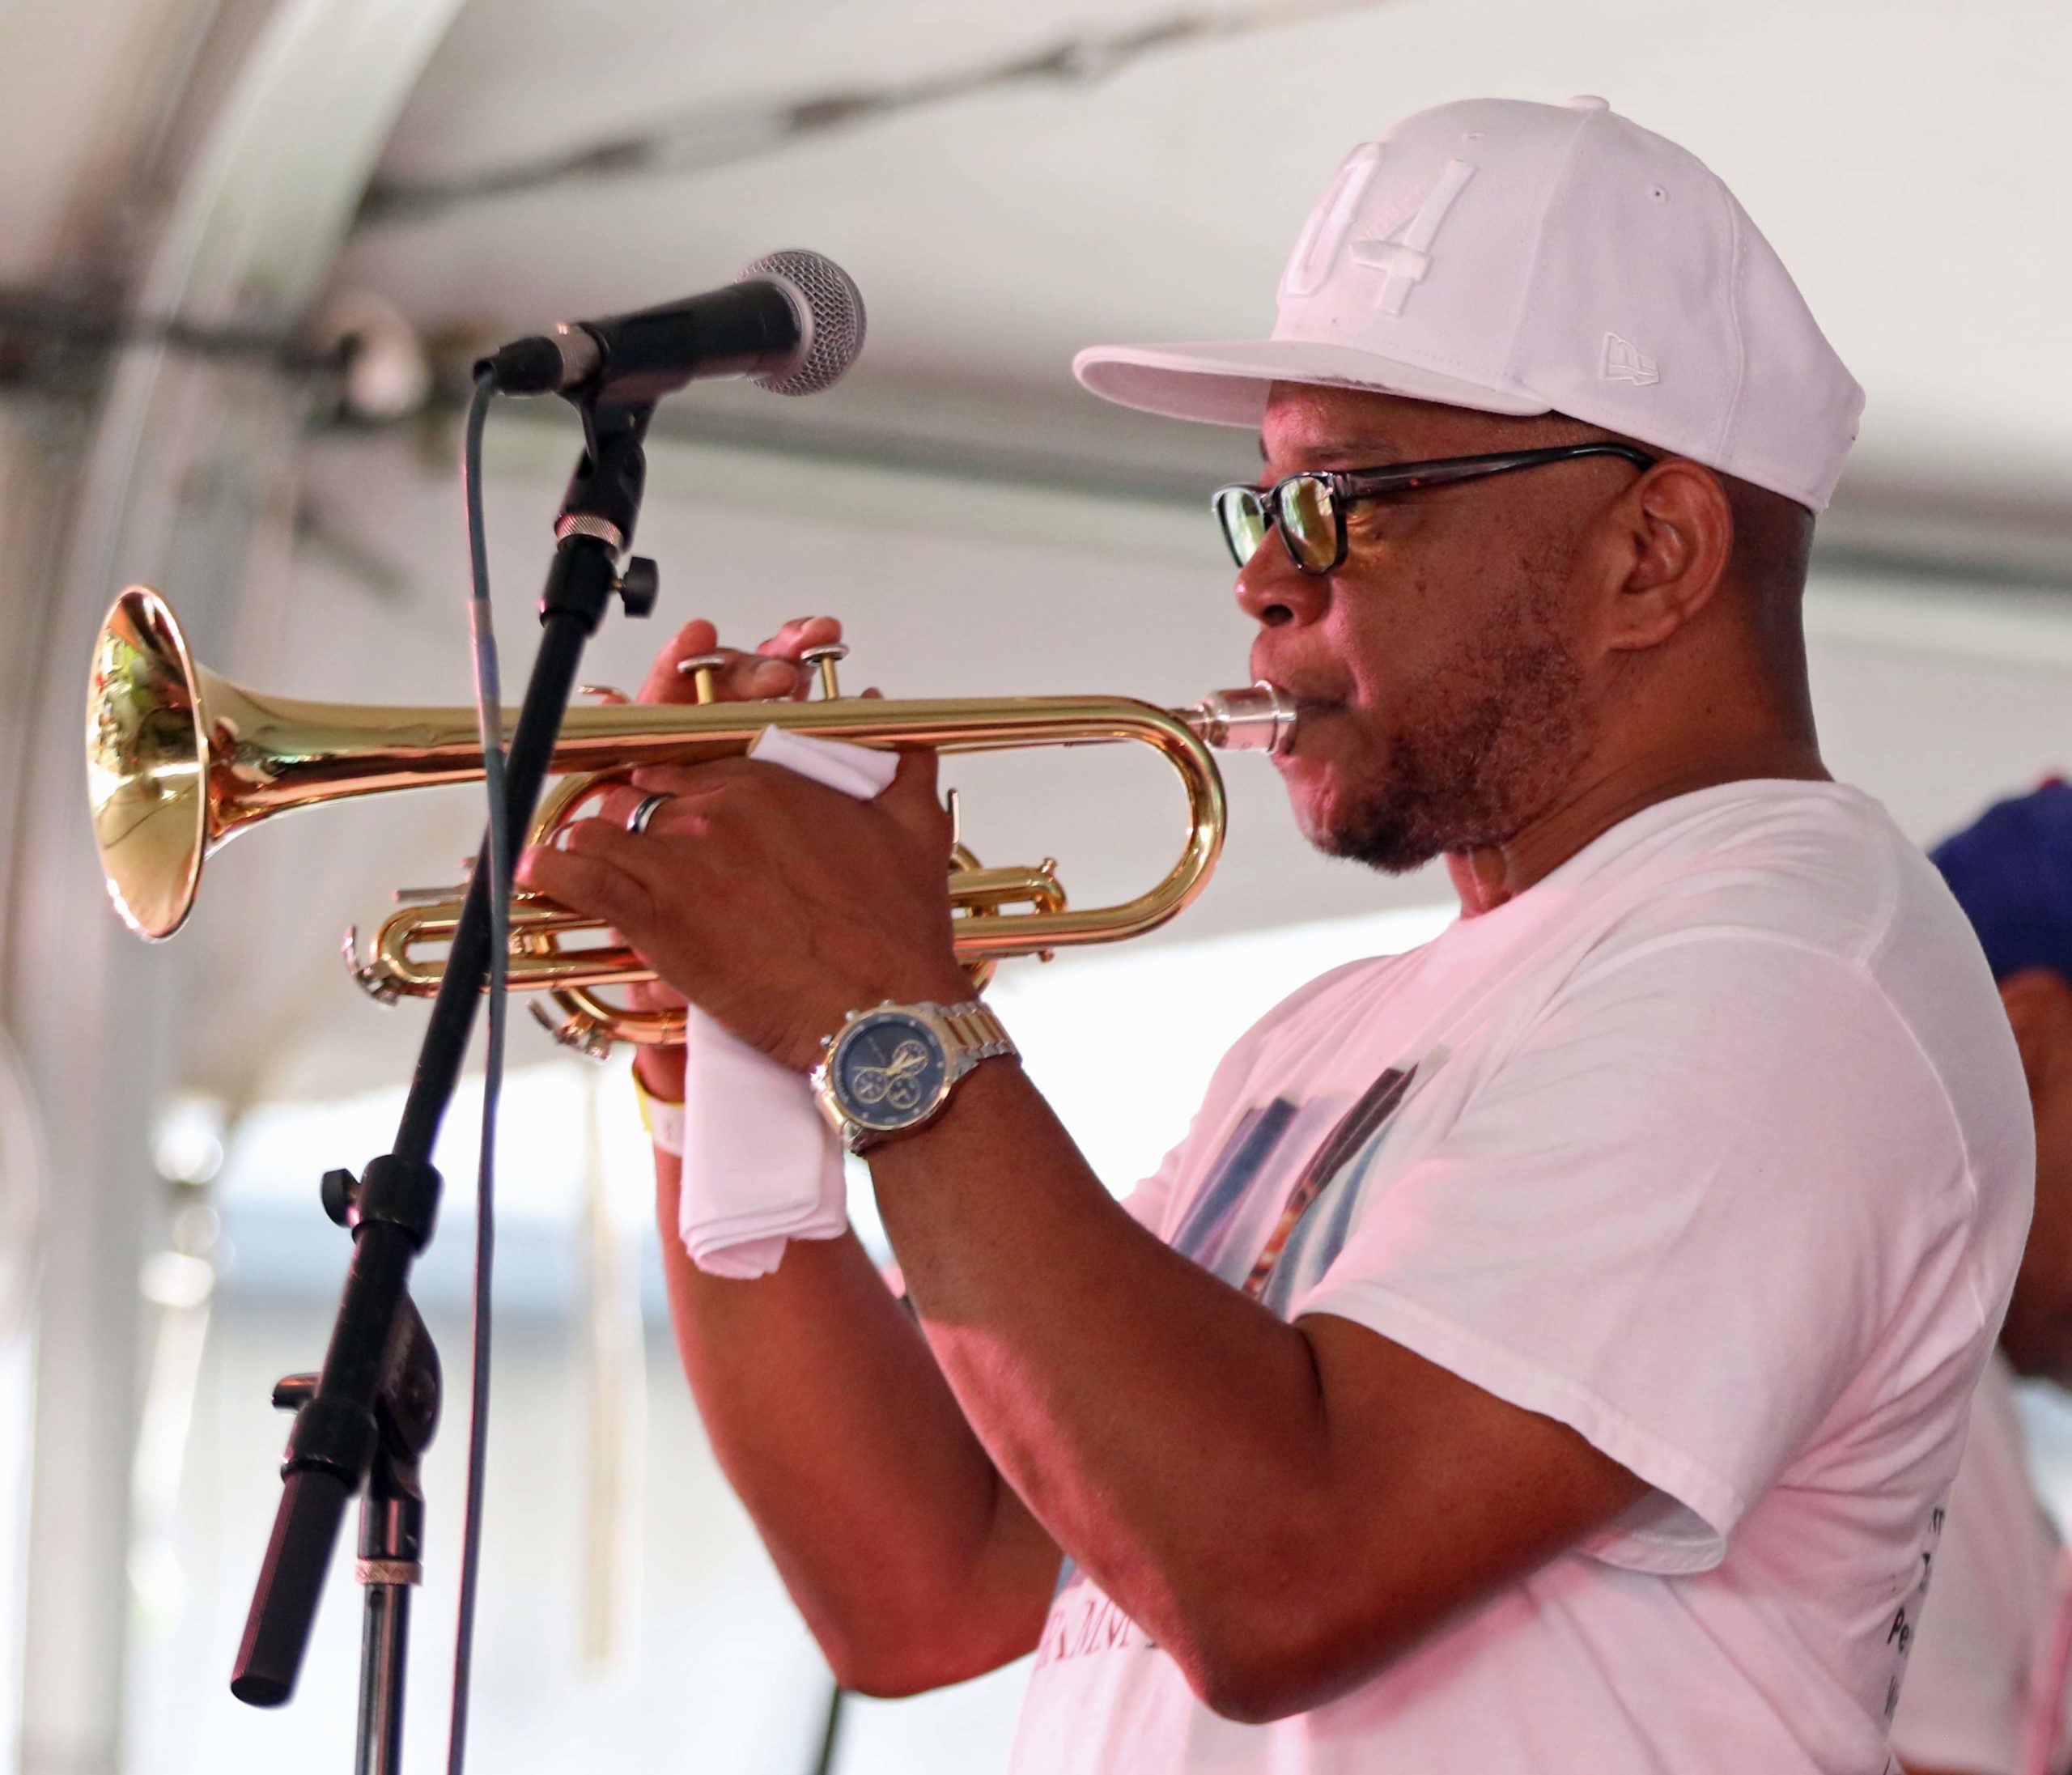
(760, 1164)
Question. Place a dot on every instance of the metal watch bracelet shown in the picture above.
(968, 1034)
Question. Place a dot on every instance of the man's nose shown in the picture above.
(1273, 591)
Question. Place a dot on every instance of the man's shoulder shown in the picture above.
(1815, 870)
(1820, 865)
(1805, 912)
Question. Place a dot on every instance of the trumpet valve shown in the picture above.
(825, 658)
(699, 669)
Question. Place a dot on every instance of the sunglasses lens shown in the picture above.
(1242, 514)
(1309, 518)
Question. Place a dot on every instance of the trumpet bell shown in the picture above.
(147, 763)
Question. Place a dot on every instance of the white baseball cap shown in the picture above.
(1528, 258)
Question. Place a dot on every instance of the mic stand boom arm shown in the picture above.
(393, 1205)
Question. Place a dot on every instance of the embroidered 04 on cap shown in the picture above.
(1532, 258)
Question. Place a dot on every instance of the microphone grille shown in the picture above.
(832, 333)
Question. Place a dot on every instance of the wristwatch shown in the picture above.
(893, 1066)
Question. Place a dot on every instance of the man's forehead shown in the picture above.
(1372, 450)
(1303, 420)
(1315, 422)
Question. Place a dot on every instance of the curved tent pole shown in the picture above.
(186, 461)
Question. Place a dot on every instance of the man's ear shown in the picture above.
(1675, 531)
(2039, 1002)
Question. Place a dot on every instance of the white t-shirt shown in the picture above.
(1713, 1145)
(1994, 1601)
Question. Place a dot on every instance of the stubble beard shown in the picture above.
(1497, 737)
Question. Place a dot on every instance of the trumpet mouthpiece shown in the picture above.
(1260, 718)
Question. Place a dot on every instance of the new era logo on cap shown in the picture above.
(1525, 259)
(1626, 362)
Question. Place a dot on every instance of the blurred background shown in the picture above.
(248, 249)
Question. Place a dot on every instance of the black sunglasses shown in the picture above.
(1309, 508)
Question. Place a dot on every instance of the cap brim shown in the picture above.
(1225, 382)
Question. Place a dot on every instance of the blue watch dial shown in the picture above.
(889, 1070)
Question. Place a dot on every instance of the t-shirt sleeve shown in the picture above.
(1677, 1214)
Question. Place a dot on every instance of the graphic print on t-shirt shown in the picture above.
(1276, 1203)
(1276, 1259)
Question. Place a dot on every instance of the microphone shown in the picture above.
(793, 320)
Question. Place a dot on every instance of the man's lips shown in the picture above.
(1308, 693)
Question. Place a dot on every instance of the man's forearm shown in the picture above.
(1141, 1407)
(911, 1562)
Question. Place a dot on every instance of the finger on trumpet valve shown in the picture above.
(607, 694)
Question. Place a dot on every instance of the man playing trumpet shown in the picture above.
(1546, 1351)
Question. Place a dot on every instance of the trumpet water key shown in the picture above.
(180, 760)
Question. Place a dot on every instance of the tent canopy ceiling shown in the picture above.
(1007, 184)
(1908, 162)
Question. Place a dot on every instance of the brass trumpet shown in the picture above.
(178, 761)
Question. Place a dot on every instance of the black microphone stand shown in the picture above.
(390, 1518)
(369, 1412)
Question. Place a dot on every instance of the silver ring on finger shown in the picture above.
(644, 811)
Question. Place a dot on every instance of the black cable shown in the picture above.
(831, 1732)
(489, 713)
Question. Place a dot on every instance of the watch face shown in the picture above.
(889, 1070)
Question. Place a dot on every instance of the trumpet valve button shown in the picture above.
(825, 658)
(699, 669)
